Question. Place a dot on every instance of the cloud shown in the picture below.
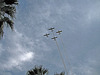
(26, 47)
(15, 52)
(19, 51)
(1, 49)
(15, 62)
(5, 73)
(85, 68)
(91, 14)
(77, 19)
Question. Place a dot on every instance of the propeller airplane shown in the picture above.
(54, 38)
(51, 29)
(59, 32)
(46, 35)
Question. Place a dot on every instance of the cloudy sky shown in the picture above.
(26, 46)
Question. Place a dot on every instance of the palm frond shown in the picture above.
(9, 22)
(1, 23)
(10, 10)
(10, 2)
(40, 69)
(62, 73)
(37, 71)
(45, 71)
(7, 13)
(31, 73)
(1, 28)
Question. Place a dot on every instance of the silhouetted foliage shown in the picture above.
(38, 70)
(10, 2)
(62, 73)
(7, 11)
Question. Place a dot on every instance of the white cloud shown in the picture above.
(26, 57)
(16, 51)
(20, 50)
(15, 62)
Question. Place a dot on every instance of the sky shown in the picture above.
(25, 47)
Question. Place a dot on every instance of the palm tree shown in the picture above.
(37, 71)
(7, 11)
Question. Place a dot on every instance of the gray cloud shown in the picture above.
(79, 21)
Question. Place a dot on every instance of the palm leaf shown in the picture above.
(62, 73)
(9, 22)
(37, 71)
(7, 8)
(10, 2)
(1, 29)
(10, 10)
(45, 71)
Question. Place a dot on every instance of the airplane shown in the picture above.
(46, 35)
(51, 29)
(54, 38)
(59, 32)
